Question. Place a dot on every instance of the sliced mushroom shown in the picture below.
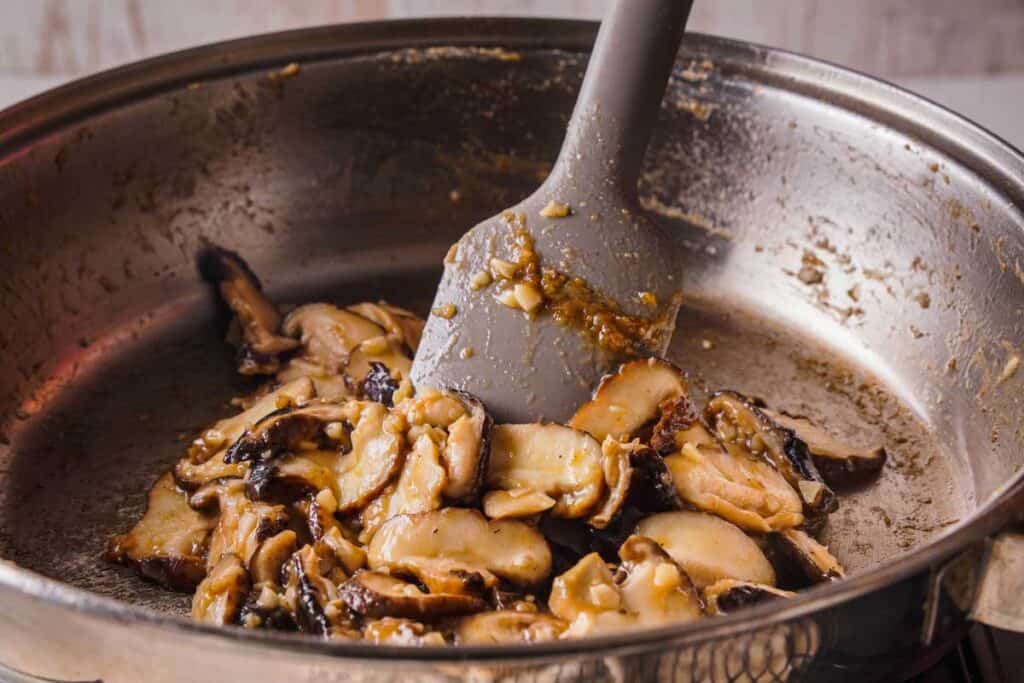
(191, 476)
(618, 475)
(392, 631)
(329, 337)
(653, 586)
(379, 385)
(629, 399)
(220, 596)
(329, 334)
(467, 428)
(258, 318)
(840, 464)
(292, 429)
(403, 325)
(650, 590)
(205, 461)
(651, 487)
(743, 489)
(634, 474)
(587, 598)
(516, 503)
(559, 461)
(708, 548)
(460, 539)
(377, 351)
(243, 524)
(466, 451)
(679, 422)
(330, 385)
(749, 493)
(354, 478)
(801, 560)
(374, 594)
(507, 626)
(266, 608)
(269, 558)
(168, 545)
(728, 595)
(432, 407)
(347, 554)
(417, 489)
(745, 429)
(318, 512)
(311, 596)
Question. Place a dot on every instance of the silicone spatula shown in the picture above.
(611, 271)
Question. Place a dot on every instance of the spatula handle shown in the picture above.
(618, 102)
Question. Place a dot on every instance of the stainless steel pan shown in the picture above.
(852, 252)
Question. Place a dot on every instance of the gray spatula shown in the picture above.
(490, 338)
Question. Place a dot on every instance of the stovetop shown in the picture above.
(986, 655)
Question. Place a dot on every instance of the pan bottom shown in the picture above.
(83, 462)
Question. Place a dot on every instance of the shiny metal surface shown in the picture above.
(904, 326)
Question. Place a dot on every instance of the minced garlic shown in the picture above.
(527, 296)
(480, 280)
(503, 269)
(447, 311)
(555, 210)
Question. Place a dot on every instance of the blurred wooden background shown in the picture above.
(891, 38)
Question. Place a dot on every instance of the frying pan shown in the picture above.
(851, 252)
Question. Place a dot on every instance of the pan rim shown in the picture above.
(991, 158)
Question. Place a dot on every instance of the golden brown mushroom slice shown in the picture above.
(654, 586)
(803, 560)
(329, 336)
(587, 598)
(168, 545)
(243, 525)
(745, 429)
(205, 460)
(220, 596)
(460, 540)
(378, 351)
(307, 427)
(466, 451)
(326, 532)
(745, 490)
(403, 325)
(268, 560)
(466, 428)
(634, 475)
(417, 489)
(553, 459)
(311, 594)
(259, 319)
(729, 595)
(507, 626)
(840, 464)
(354, 477)
(650, 589)
(708, 548)
(629, 399)
(373, 594)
